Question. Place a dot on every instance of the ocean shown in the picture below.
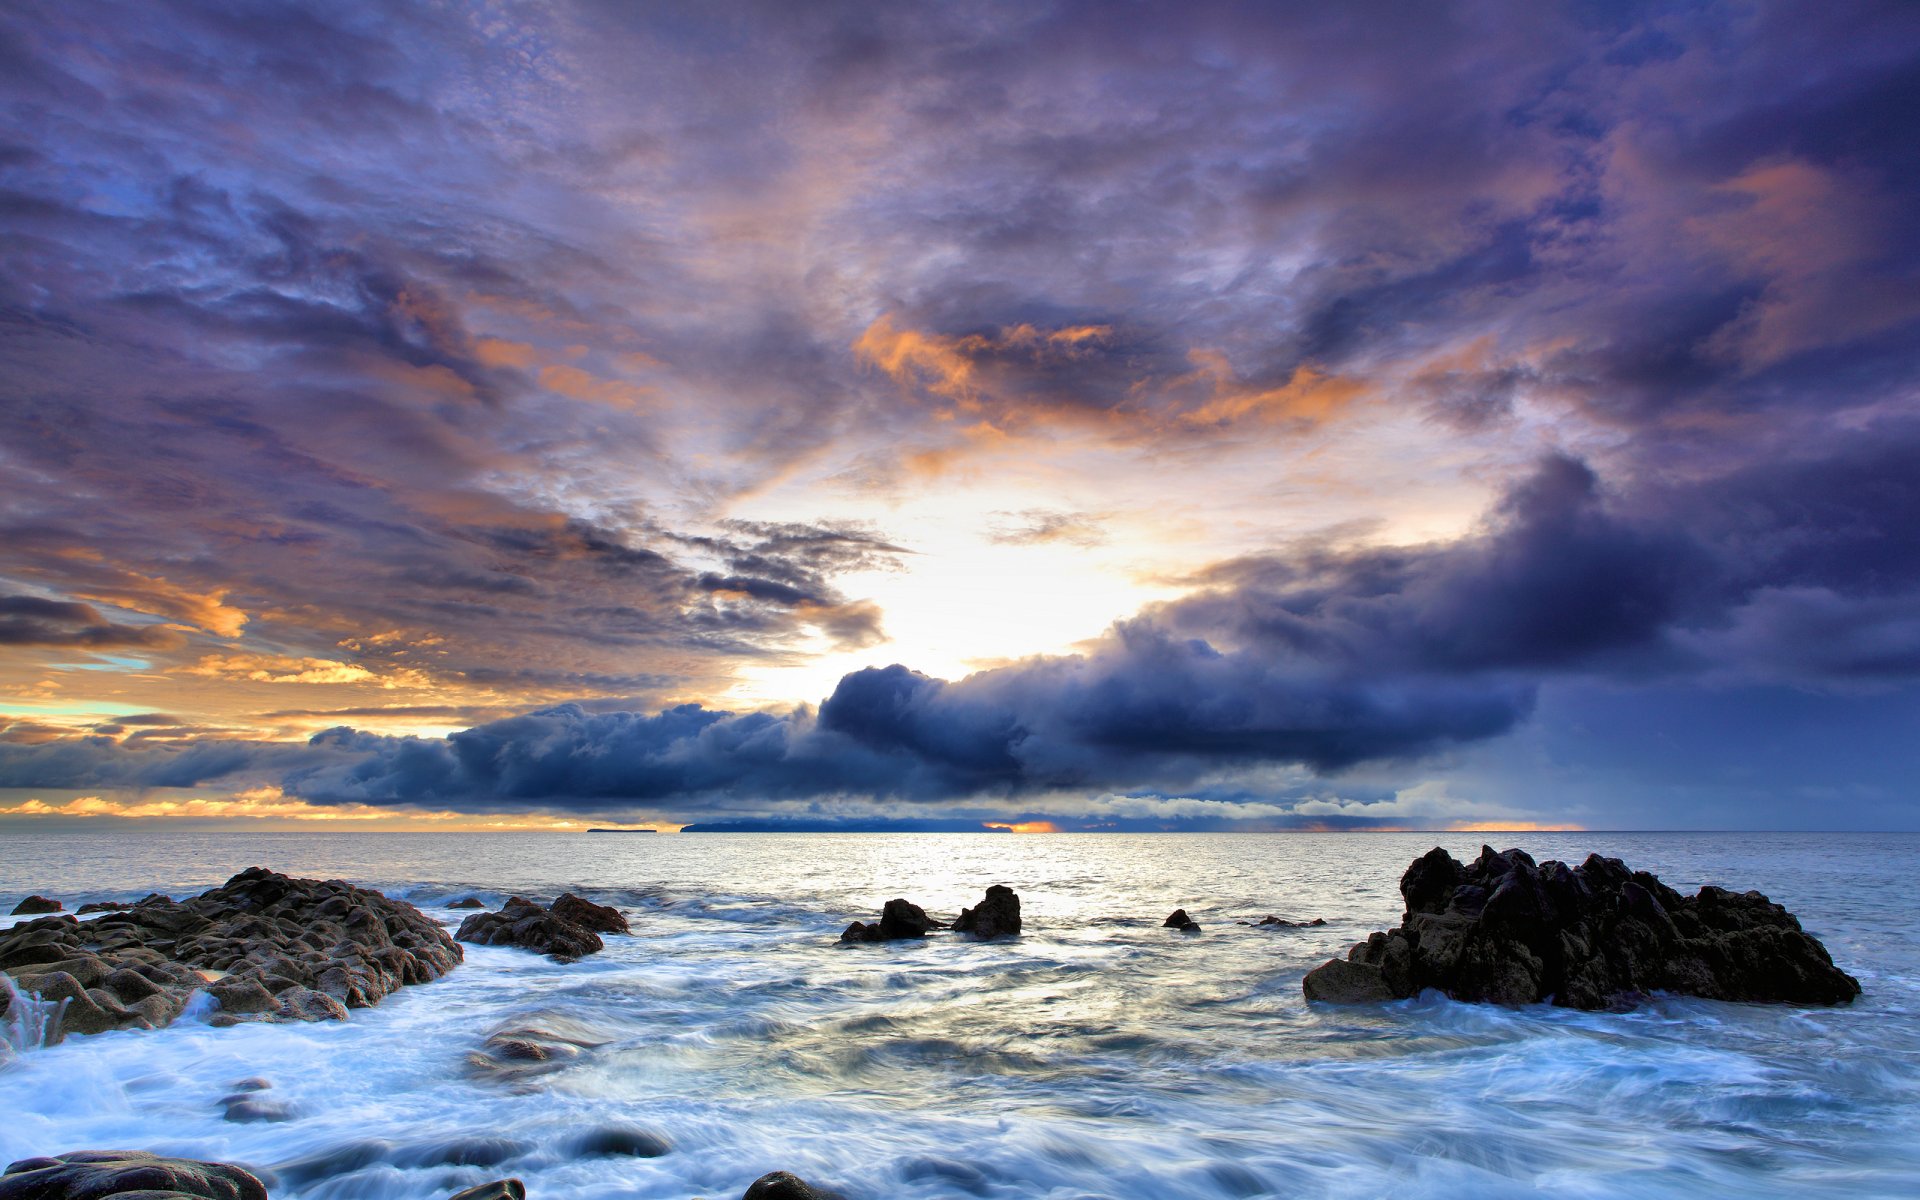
(1098, 1055)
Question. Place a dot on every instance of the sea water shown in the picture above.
(1097, 1055)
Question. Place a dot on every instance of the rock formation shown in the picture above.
(996, 916)
(101, 1174)
(499, 1189)
(1271, 922)
(35, 905)
(273, 947)
(1596, 936)
(585, 913)
(898, 919)
(1178, 919)
(551, 931)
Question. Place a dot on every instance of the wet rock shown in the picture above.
(471, 902)
(1277, 923)
(98, 1174)
(499, 1189)
(520, 1051)
(525, 924)
(35, 905)
(342, 1159)
(1508, 931)
(620, 1141)
(1178, 919)
(779, 1185)
(284, 948)
(462, 1152)
(247, 1108)
(898, 919)
(585, 913)
(995, 916)
(99, 906)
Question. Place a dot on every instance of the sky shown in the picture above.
(1058, 416)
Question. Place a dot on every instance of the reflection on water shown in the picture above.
(1099, 1055)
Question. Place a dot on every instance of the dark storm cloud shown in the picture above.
(35, 621)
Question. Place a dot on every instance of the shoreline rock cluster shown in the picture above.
(138, 1175)
(997, 915)
(265, 946)
(1506, 930)
(568, 929)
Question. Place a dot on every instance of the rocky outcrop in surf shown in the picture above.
(567, 930)
(898, 919)
(265, 946)
(102, 1174)
(1597, 936)
(781, 1185)
(1178, 919)
(998, 915)
(35, 905)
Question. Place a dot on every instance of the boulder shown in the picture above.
(100, 906)
(470, 902)
(995, 916)
(277, 948)
(97, 1174)
(35, 905)
(1506, 930)
(620, 1141)
(779, 1185)
(499, 1189)
(525, 924)
(1277, 923)
(585, 913)
(1178, 919)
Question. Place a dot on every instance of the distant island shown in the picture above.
(619, 831)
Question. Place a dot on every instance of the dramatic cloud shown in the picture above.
(1382, 378)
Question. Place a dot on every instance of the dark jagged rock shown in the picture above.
(996, 916)
(469, 902)
(525, 924)
(499, 1189)
(1178, 919)
(588, 915)
(1277, 923)
(898, 919)
(278, 949)
(779, 1185)
(35, 905)
(1596, 936)
(100, 906)
(99, 1174)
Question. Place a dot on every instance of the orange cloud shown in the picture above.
(1022, 826)
(155, 596)
(278, 668)
(270, 804)
(497, 352)
(583, 385)
(1309, 397)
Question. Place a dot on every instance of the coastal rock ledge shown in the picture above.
(267, 947)
(1596, 936)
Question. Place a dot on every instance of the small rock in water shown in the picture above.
(525, 924)
(1277, 923)
(620, 1141)
(1178, 919)
(100, 1174)
(996, 916)
(499, 1189)
(1507, 931)
(35, 905)
(898, 919)
(585, 913)
(249, 1107)
(471, 902)
(101, 906)
(780, 1185)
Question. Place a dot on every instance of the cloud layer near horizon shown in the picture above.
(536, 371)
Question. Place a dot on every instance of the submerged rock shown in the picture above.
(525, 924)
(780, 1185)
(468, 902)
(995, 916)
(286, 949)
(1271, 922)
(1178, 919)
(98, 1174)
(620, 1141)
(499, 1189)
(1596, 936)
(34, 905)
